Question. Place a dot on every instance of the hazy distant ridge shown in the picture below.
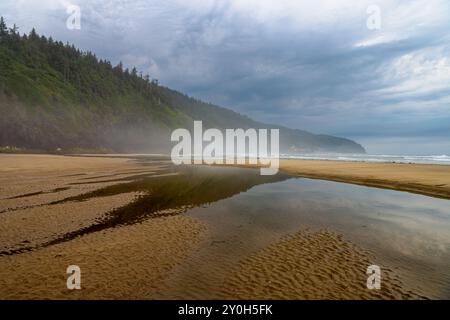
(52, 95)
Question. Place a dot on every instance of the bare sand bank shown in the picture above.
(431, 180)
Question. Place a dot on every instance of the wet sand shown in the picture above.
(128, 262)
(310, 265)
(129, 225)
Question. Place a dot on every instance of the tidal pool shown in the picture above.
(409, 233)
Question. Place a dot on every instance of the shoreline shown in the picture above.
(431, 180)
(426, 179)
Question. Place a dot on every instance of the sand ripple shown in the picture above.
(310, 265)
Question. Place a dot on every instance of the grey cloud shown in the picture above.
(306, 74)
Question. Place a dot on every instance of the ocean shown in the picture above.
(430, 159)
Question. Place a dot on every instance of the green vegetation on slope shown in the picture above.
(53, 95)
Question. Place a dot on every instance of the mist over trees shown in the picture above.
(53, 95)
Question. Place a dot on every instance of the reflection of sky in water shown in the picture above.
(407, 231)
(412, 224)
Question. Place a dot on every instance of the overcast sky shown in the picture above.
(313, 65)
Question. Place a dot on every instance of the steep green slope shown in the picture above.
(55, 96)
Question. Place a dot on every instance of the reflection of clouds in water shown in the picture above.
(416, 223)
(412, 225)
(404, 231)
(420, 234)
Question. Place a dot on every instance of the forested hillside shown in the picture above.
(54, 96)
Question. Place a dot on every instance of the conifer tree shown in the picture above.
(3, 28)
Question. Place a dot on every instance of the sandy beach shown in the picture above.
(431, 180)
(128, 262)
(128, 224)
